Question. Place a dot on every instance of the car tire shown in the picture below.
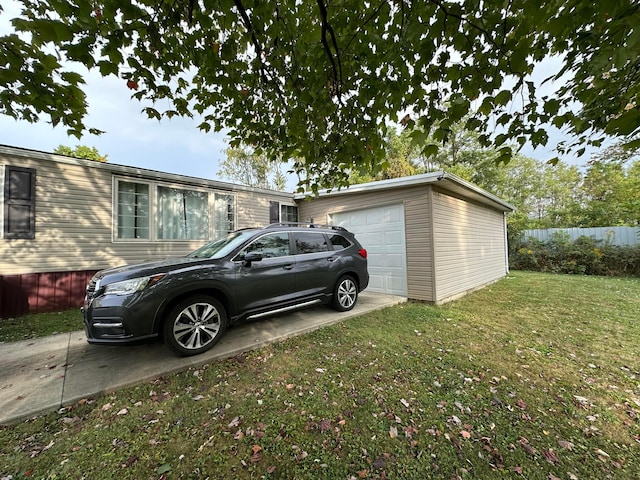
(345, 294)
(195, 325)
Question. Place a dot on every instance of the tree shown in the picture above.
(81, 151)
(401, 160)
(250, 168)
(318, 82)
(610, 191)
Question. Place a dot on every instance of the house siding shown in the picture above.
(74, 221)
(469, 246)
(417, 227)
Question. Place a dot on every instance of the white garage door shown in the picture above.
(381, 231)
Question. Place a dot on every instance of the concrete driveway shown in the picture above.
(42, 375)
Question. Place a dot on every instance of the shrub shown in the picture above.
(584, 256)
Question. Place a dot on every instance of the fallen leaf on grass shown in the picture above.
(129, 461)
(528, 448)
(325, 425)
(602, 455)
(465, 434)
(409, 431)
(550, 456)
(566, 445)
(257, 454)
(380, 463)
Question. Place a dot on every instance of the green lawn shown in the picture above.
(40, 325)
(534, 377)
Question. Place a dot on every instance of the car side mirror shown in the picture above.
(252, 257)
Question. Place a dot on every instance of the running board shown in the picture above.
(285, 309)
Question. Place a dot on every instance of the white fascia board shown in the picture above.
(448, 181)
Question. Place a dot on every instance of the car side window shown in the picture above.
(339, 242)
(270, 246)
(310, 242)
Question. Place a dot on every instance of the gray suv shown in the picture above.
(189, 301)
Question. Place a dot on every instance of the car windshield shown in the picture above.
(221, 247)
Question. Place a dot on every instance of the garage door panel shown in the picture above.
(394, 239)
(381, 231)
(395, 261)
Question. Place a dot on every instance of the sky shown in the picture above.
(130, 138)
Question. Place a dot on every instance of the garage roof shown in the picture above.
(444, 180)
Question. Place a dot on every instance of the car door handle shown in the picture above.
(333, 258)
(288, 267)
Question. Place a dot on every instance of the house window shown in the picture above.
(281, 213)
(182, 214)
(288, 213)
(133, 210)
(19, 203)
(224, 220)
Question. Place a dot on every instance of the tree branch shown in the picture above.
(336, 63)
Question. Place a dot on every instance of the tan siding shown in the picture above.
(74, 219)
(253, 209)
(419, 248)
(469, 246)
(417, 225)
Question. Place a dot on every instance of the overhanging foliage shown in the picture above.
(318, 81)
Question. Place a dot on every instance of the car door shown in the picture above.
(316, 265)
(269, 281)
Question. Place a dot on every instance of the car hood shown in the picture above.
(126, 272)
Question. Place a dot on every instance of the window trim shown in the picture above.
(153, 209)
(30, 234)
(114, 210)
(272, 205)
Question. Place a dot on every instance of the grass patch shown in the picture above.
(40, 325)
(534, 377)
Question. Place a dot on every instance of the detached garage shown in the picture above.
(431, 237)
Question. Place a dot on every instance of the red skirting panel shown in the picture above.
(42, 292)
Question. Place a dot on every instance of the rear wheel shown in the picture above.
(345, 294)
(195, 325)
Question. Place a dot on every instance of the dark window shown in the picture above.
(270, 246)
(288, 213)
(310, 242)
(279, 213)
(19, 203)
(339, 242)
(274, 212)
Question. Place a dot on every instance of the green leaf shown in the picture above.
(503, 97)
(108, 68)
(152, 113)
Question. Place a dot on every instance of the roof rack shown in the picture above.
(307, 225)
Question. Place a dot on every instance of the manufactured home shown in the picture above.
(430, 237)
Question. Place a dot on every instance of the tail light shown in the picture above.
(363, 252)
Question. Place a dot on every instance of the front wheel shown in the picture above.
(195, 325)
(345, 294)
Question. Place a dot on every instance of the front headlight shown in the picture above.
(127, 287)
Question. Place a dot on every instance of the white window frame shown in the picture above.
(153, 210)
(283, 204)
(114, 210)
